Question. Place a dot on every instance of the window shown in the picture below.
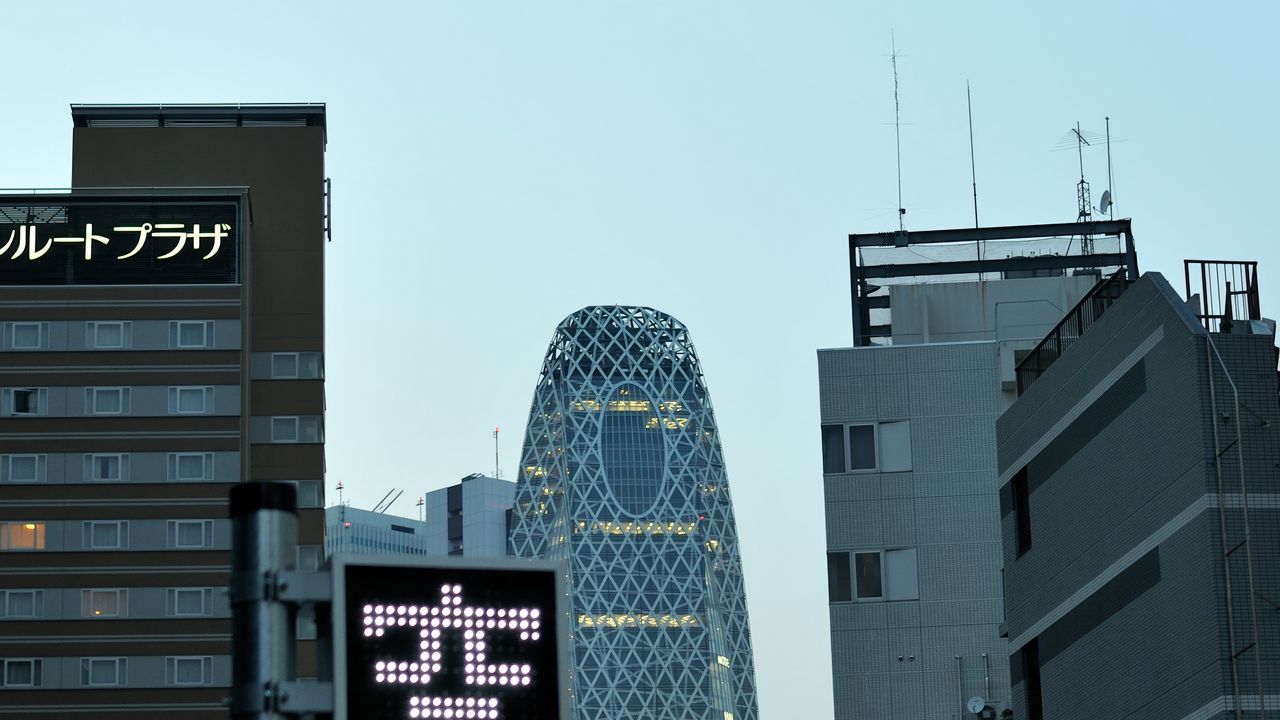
(20, 672)
(103, 672)
(867, 580)
(105, 534)
(191, 334)
(1031, 679)
(28, 335)
(284, 429)
(284, 365)
(308, 493)
(863, 447)
(1022, 510)
(188, 670)
(188, 534)
(184, 467)
(190, 400)
(189, 602)
(106, 400)
(22, 468)
(901, 576)
(22, 535)
(26, 401)
(839, 582)
(309, 557)
(106, 468)
(21, 604)
(104, 603)
(102, 335)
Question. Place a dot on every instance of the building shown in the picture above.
(162, 339)
(470, 518)
(364, 532)
(1140, 504)
(908, 418)
(623, 478)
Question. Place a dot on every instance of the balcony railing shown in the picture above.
(1077, 321)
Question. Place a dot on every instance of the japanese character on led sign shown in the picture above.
(476, 625)
(28, 242)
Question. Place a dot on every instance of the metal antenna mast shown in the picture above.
(1082, 193)
(497, 468)
(897, 131)
(1111, 206)
(973, 165)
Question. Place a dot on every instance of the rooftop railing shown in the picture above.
(1076, 323)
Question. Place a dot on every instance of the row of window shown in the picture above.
(105, 467)
(182, 400)
(108, 671)
(106, 603)
(110, 335)
(107, 535)
(871, 575)
(867, 447)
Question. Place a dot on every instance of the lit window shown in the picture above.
(108, 335)
(190, 534)
(284, 429)
(106, 534)
(284, 365)
(189, 670)
(19, 604)
(185, 467)
(107, 400)
(191, 334)
(189, 400)
(22, 535)
(24, 672)
(104, 603)
(189, 602)
(26, 401)
(22, 468)
(105, 468)
(103, 672)
(27, 335)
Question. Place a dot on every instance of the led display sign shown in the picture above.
(69, 241)
(443, 638)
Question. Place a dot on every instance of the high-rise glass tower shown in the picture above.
(622, 476)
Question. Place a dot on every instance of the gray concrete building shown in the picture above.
(908, 420)
(1140, 504)
(470, 518)
(365, 532)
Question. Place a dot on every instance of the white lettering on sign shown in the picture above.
(29, 245)
(475, 624)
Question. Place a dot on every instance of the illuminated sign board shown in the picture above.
(72, 241)
(449, 638)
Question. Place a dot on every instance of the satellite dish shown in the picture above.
(976, 704)
(1105, 203)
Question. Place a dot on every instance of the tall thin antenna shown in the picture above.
(897, 131)
(497, 468)
(1085, 213)
(1111, 207)
(973, 165)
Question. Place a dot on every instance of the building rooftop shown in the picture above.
(199, 115)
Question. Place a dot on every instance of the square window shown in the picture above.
(102, 671)
(106, 535)
(22, 535)
(284, 429)
(104, 603)
(189, 400)
(190, 466)
(108, 401)
(284, 365)
(21, 673)
(862, 447)
(27, 335)
(25, 468)
(107, 335)
(188, 534)
(188, 670)
(104, 468)
(191, 333)
(23, 603)
(26, 401)
(189, 602)
(867, 578)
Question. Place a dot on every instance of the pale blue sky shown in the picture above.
(497, 165)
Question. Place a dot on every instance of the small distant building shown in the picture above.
(364, 532)
(470, 518)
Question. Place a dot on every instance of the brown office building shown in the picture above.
(161, 338)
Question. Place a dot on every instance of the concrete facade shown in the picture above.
(469, 518)
(1115, 527)
(364, 532)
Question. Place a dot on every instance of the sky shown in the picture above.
(497, 165)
